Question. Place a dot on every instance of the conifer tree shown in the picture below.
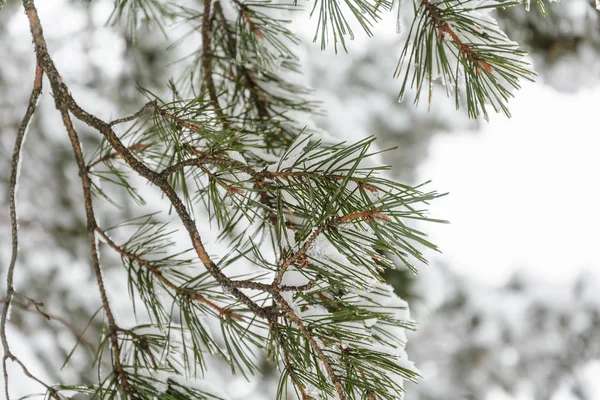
(307, 226)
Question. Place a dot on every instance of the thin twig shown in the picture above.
(91, 227)
(299, 253)
(62, 99)
(49, 317)
(159, 275)
(113, 155)
(292, 316)
(32, 302)
(206, 33)
(180, 121)
(290, 368)
(134, 116)
(211, 160)
(12, 203)
(51, 391)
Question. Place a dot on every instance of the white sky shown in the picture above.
(524, 192)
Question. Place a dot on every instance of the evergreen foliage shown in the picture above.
(311, 226)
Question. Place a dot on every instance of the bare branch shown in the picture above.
(49, 317)
(12, 202)
(61, 99)
(91, 227)
(134, 116)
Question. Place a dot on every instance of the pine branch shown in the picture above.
(207, 63)
(292, 316)
(160, 277)
(451, 40)
(314, 196)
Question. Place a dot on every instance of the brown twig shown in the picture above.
(51, 391)
(113, 155)
(265, 287)
(136, 115)
(62, 100)
(206, 33)
(290, 368)
(159, 276)
(49, 317)
(180, 121)
(12, 201)
(299, 288)
(246, 16)
(292, 316)
(32, 302)
(464, 48)
(211, 160)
